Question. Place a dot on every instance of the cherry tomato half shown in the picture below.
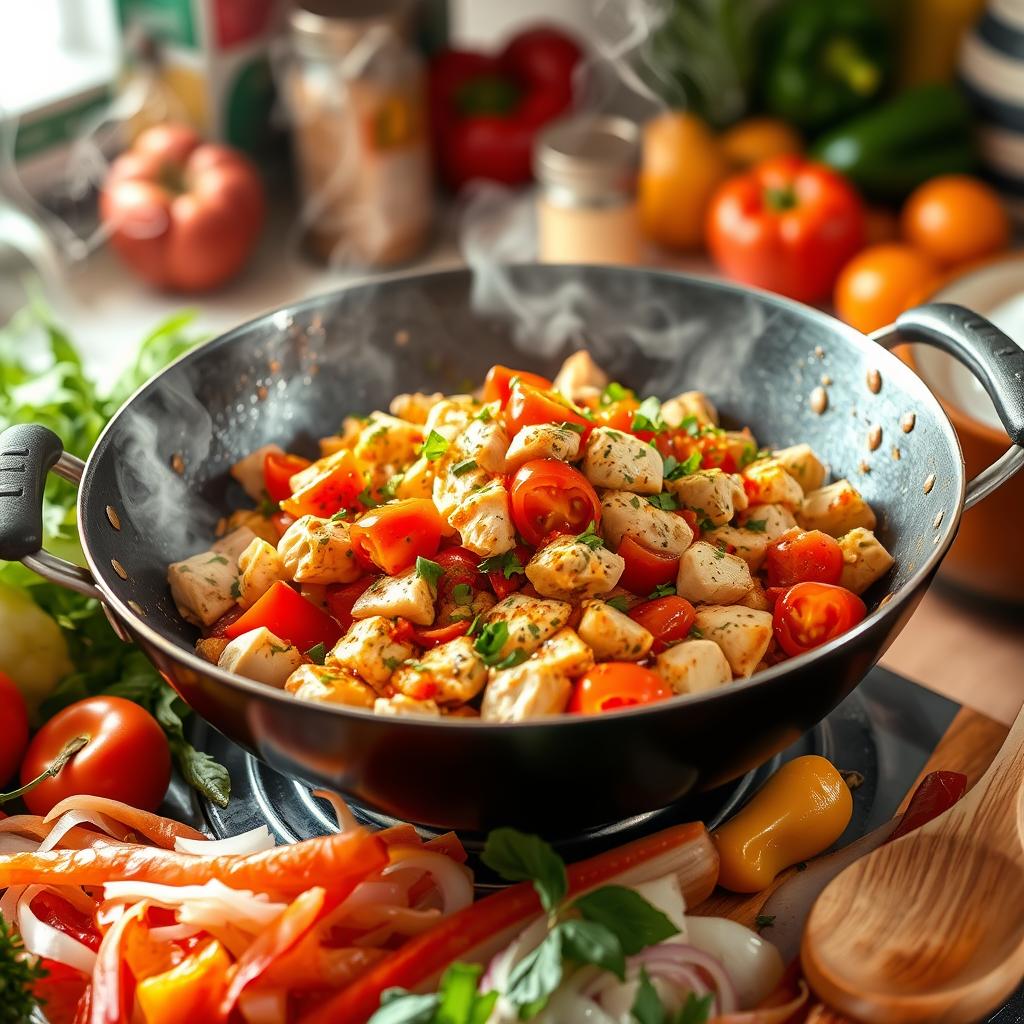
(617, 684)
(460, 569)
(667, 619)
(548, 497)
(527, 406)
(800, 556)
(498, 383)
(618, 415)
(342, 596)
(391, 537)
(810, 614)
(645, 569)
(281, 521)
(13, 728)
(126, 758)
(278, 470)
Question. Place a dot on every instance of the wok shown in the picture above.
(292, 375)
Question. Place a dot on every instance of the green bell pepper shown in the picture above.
(823, 61)
(892, 149)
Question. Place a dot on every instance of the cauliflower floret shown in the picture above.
(715, 496)
(836, 509)
(452, 673)
(693, 666)
(261, 567)
(800, 462)
(709, 575)
(771, 520)
(569, 569)
(661, 531)
(612, 635)
(690, 403)
(262, 656)
(249, 471)
(398, 704)
(530, 621)
(409, 595)
(204, 586)
(484, 520)
(865, 560)
(621, 461)
(370, 649)
(318, 551)
(484, 442)
(234, 543)
(387, 439)
(768, 483)
(743, 634)
(542, 441)
(750, 545)
(530, 690)
(330, 684)
(566, 652)
(450, 490)
(415, 407)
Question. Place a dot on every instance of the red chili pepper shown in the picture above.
(937, 792)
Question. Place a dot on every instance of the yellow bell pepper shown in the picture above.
(190, 991)
(800, 811)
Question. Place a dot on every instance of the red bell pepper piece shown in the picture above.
(278, 470)
(391, 537)
(290, 617)
(440, 634)
(336, 488)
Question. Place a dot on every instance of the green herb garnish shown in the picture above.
(461, 468)
(665, 501)
(590, 537)
(648, 416)
(507, 564)
(434, 447)
(757, 525)
(462, 594)
(662, 590)
(620, 603)
(429, 571)
(317, 654)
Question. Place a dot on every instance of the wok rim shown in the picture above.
(909, 383)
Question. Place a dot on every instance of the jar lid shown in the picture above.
(325, 28)
(591, 157)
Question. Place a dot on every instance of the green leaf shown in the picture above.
(757, 525)
(202, 772)
(676, 470)
(537, 975)
(366, 498)
(429, 571)
(647, 1008)
(691, 425)
(662, 590)
(634, 922)
(576, 428)
(765, 920)
(614, 392)
(513, 658)
(590, 942)
(490, 640)
(462, 594)
(317, 654)
(696, 1009)
(461, 468)
(590, 537)
(507, 564)
(434, 447)
(518, 856)
(460, 1002)
(400, 1007)
(665, 501)
(620, 604)
(648, 416)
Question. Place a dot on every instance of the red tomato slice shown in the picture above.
(667, 619)
(527, 406)
(342, 596)
(810, 614)
(617, 684)
(498, 382)
(391, 537)
(441, 635)
(290, 617)
(460, 569)
(645, 569)
(278, 470)
(800, 556)
(549, 496)
(337, 489)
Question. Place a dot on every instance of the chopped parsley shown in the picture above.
(474, 626)
(484, 415)
(704, 522)
(507, 564)
(662, 590)
(666, 502)
(366, 498)
(388, 490)
(648, 416)
(634, 501)
(757, 525)
(391, 664)
(268, 508)
(462, 593)
(620, 604)
(434, 447)
(280, 648)
(216, 560)
(317, 654)
(461, 468)
(614, 392)
(576, 428)
(429, 571)
(675, 470)
(236, 588)
(691, 425)
(590, 537)
(489, 643)
(340, 515)
(695, 633)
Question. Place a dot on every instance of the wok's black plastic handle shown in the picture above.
(27, 454)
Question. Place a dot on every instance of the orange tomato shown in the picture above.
(759, 138)
(278, 470)
(529, 406)
(879, 283)
(617, 684)
(955, 218)
(498, 382)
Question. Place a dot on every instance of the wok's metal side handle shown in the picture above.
(996, 360)
(27, 454)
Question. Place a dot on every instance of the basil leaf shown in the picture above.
(647, 1008)
(590, 942)
(620, 604)
(665, 501)
(434, 447)
(429, 571)
(518, 857)
(590, 537)
(400, 1007)
(537, 975)
(634, 922)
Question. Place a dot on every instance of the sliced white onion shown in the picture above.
(453, 880)
(236, 906)
(256, 840)
(173, 932)
(66, 822)
(403, 920)
(369, 894)
(346, 819)
(753, 964)
(670, 957)
(46, 941)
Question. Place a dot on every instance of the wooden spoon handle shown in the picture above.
(1002, 790)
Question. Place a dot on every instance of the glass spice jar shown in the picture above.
(355, 90)
(586, 206)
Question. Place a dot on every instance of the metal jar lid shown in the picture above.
(332, 28)
(588, 159)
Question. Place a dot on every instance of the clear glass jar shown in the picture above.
(355, 90)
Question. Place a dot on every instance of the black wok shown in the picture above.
(292, 375)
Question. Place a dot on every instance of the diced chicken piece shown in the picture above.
(612, 635)
(450, 490)
(767, 483)
(542, 441)
(771, 520)
(387, 439)
(756, 598)
(249, 471)
(621, 461)
(408, 595)
(460, 607)
(261, 567)
(398, 705)
(484, 520)
(484, 442)
(865, 560)
(800, 462)
(743, 634)
(661, 531)
(370, 649)
(451, 415)
(318, 550)
(415, 407)
(530, 621)
(709, 575)
(750, 545)
(262, 656)
(203, 586)
(836, 509)
(566, 652)
(211, 648)
(694, 666)
(330, 684)
(451, 673)
(690, 403)
(580, 377)
(530, 690)
(417, 481)
(252, 519)
(234, 543)
(715, 496)
(569, 570)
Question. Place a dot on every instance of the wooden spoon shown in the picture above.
(930, 927)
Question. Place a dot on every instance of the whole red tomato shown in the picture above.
(183, 214)
(787, 225)
(13, 728)
(126, 758)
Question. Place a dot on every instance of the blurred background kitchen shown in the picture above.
(231, 156)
